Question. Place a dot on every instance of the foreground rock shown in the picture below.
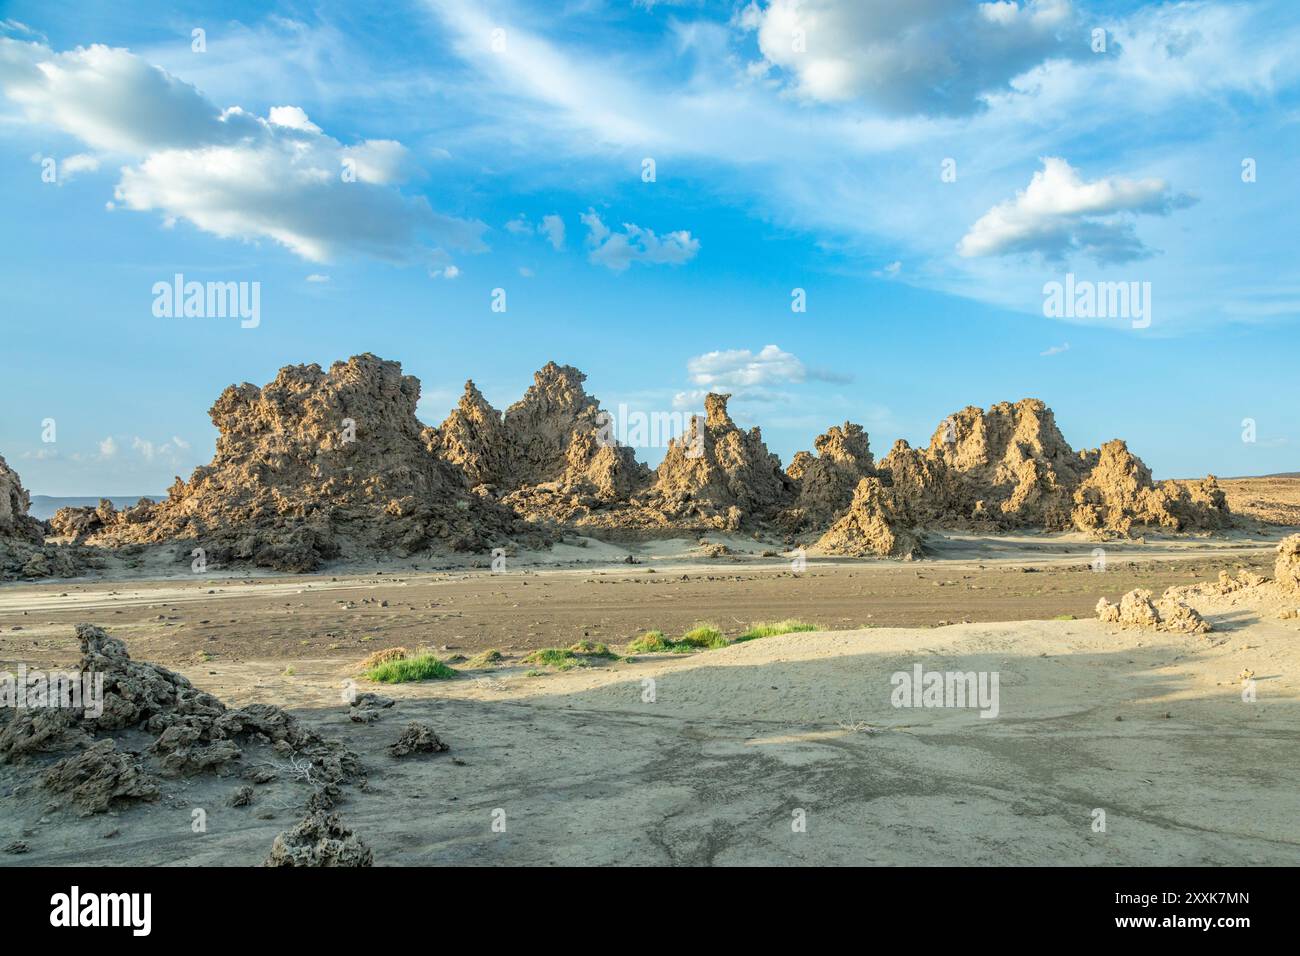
(1137, 610)
(417, 738)
(1288, 564)
(320, 839)
(154, 724)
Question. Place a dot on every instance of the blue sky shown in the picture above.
(920, 170)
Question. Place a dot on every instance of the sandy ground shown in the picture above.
(712, 758)
(189, 621)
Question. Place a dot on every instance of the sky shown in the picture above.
(831, 209)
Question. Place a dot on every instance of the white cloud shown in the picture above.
(925, 56)
(318, 278)
(1056, 349)
(890, 271)
(228, 172)
(750, 374)
(618, 250)
(108, 447)
(1060, 213)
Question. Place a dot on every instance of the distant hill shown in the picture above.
(44, 506)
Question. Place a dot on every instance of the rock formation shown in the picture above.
(1136, 609)
(319, 464)
(828, 480)
(719, 475)
(23, 551)
(1288, 564)
(871, 526)
(192, 732)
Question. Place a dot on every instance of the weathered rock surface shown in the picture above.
(1288, 564)
(1137, 609)
(23, 551)
(872, 526)
(417, 738)
(827, 481)
(192, 732)
(320, 839)
(316, 465)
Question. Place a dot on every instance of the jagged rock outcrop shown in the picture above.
(23, 551)
(1118, 493)
(827, 480)
(556, 439)
(316, 465)
(719, 474)
(474, 439)
(873, 525)
(16, 525)
(1010, 465)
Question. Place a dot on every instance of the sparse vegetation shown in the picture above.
(485, 658)
(651, 642)
(383, 657)
(703, 637)
(401, 670)
(567, 658)
(774, 629)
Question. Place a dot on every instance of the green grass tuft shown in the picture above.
(421, 667)
(706, 635)
(651, 642)
(772, 630)
(567, 658)
(485, 658)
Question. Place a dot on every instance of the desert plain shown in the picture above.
(577, 766)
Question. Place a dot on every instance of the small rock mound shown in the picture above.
(320, 839)
(1287, 569)
(417, 738)
(1137, 609)
(191, 732)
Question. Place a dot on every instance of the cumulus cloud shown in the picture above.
(108, 447)
(919, 57)
(227, 171)
(1060, 213)
(1056, 349)
(751, 374)
(618, 250)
